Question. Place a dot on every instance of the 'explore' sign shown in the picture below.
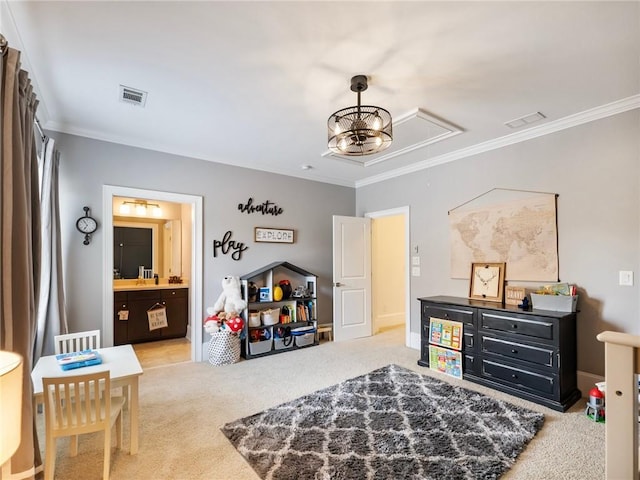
(273, 235)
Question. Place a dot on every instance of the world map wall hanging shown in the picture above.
(512, 226)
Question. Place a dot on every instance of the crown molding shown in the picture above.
(123, 141)
(597, 113)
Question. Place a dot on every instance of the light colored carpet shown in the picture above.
(183, 406)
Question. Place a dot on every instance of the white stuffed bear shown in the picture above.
(230, 300)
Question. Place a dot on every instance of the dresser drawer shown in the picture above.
(522, 326)
(456, 314)
(469, 364)
(527, 353)
(544, 384)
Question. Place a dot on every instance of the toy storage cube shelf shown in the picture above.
(303, 309)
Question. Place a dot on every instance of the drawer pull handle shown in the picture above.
(513, 350)
(514, 326)
(164, 303)
(514, 376)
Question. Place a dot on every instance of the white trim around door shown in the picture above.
(195, 283)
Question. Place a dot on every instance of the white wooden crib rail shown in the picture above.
(622, 363)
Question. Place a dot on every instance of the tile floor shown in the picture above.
(163, 352)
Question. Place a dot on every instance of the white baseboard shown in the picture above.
(416, 341)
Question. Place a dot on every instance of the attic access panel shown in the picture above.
(411, 131)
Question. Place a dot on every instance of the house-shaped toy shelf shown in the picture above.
(275, 324)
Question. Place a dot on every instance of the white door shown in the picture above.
(351, 277)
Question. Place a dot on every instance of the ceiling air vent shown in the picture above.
(133, 96)
(526, 120)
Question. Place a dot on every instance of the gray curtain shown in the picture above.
(51, 317)
(19, 239)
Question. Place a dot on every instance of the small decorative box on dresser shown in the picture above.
(529, 354)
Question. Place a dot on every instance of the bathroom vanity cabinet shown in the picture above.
(131, 323)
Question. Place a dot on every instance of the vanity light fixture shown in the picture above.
(140, 208)
(359, 130)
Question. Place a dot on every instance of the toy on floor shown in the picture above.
(595, 406)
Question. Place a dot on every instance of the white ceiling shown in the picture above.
(252, 83)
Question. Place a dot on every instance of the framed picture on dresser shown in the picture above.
(487, 281)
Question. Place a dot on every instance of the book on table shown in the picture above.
(85, 358)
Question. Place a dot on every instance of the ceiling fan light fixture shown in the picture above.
(359, 130)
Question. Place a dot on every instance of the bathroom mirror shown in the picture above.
(155, 245)
(135, 244)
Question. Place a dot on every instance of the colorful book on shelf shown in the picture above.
(85, 358)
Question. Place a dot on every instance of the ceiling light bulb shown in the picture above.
(378, 141)
(377, 123)
(124, 209)
(157, 211)
(141, 210)
(342, 144)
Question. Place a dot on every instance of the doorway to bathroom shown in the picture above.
(190, 208)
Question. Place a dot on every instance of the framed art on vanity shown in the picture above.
(487, 281)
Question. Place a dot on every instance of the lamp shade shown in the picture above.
(10, 403)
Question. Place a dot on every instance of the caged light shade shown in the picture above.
(361, 129)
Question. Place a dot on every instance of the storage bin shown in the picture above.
(283, 343)
(558, 303)
(256, 348)
(254, 318)
(270, 316)
(224, 348)
(304, 340)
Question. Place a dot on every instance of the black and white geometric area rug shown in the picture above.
(391, 423)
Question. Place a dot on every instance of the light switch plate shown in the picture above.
(415, 271)
(415, 261)
(626, 278)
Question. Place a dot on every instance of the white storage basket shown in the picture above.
(283, 343)
(256, 348)
(305, 339)
(224, 348)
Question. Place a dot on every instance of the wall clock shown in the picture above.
(87, 225)
(487, 281)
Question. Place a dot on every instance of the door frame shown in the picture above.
(406, 212)
(195, 282)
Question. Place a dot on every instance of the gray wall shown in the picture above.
(595, 169)
(86, 165)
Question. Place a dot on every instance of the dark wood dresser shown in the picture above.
(529, 354)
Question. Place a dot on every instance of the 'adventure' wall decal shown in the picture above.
(265, 208)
